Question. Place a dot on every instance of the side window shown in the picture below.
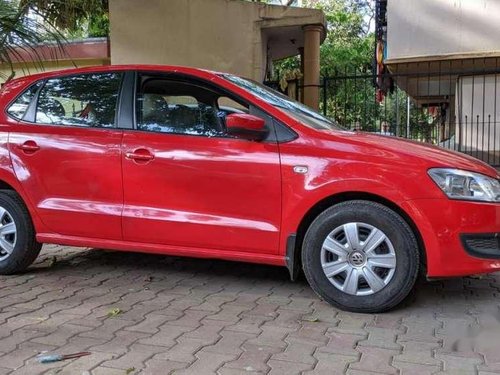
(228, 106)
(82, 100)
(20, 106)
(173, 106)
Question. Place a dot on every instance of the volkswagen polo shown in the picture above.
(188, 162)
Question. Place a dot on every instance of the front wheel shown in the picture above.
(360, 256)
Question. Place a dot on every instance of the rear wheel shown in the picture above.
(18, 246)
(360, 256)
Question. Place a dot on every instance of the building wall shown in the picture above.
(442, 27)
(187, 32)
(224, 35)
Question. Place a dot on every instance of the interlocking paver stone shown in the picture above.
(375, 359)
(155, 367)
(206, 363)
(419, 353)
(200, 317)
(415, 368)
(287, 368)
(330, 364)
(381, 337)
(297, 352)
(460, 362)
(342, 343)
(229, 343)
(253, 359)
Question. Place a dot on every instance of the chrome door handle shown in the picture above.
(139, 155)
(29, 147)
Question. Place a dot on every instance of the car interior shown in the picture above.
(175, 106)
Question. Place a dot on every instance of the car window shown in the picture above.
(168, 105)
(228, 106)
(299, 111)
(20, 105)
(81, 100)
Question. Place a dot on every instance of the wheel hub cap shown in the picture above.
(358, 259)
(8, 234)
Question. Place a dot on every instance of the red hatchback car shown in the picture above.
(183, 161)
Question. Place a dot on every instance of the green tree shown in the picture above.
(349, 43)
(20, 34)
(24, 24)
(76, 17)
(347, 51)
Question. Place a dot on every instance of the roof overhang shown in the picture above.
(283, 27)
(84, 49)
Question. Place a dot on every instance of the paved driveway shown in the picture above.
(150, 314)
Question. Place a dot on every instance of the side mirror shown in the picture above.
(246, 126)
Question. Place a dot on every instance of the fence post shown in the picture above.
(397, 112)
(325, 101)
(407, 116)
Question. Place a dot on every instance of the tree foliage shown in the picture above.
(24, 24)
(19, 35)
(78, 17)
(349, 42)
(347, 51)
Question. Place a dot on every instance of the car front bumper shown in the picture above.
(446, 224)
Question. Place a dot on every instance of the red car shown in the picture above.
(182, 161)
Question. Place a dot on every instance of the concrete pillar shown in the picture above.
(312, 41)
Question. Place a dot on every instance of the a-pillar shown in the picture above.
(312, 42)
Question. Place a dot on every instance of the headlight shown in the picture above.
(458, 184)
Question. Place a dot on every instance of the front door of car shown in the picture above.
(186, 184)
(65, 150)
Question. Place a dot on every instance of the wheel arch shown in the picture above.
(7, 184)
(295, 241)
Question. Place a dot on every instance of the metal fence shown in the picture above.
(454, 104)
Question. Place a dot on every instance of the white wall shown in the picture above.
(442, 27)
(478, 115)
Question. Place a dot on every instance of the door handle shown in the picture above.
(140, 155)
(29, 147)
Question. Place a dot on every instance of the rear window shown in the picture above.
(20, 105)
(81, 100)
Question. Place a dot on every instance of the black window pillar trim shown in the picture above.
(30, 115)
(126, 106)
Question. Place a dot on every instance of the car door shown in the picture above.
(65, 150)
(187, 184)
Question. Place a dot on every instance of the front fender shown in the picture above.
(296, 207)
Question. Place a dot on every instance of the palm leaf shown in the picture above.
(21, 36)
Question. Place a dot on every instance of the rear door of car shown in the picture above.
(65, 150)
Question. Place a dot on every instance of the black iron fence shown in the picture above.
(452, 104)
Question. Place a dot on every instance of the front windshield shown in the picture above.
(291, 107)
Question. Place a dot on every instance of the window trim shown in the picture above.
(29, 118)
(271, 121)
(30, 115)
(184, 78)
(125, 112)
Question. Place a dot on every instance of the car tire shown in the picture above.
(18, 245)
(360, 256)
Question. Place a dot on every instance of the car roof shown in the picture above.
(113, 68)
